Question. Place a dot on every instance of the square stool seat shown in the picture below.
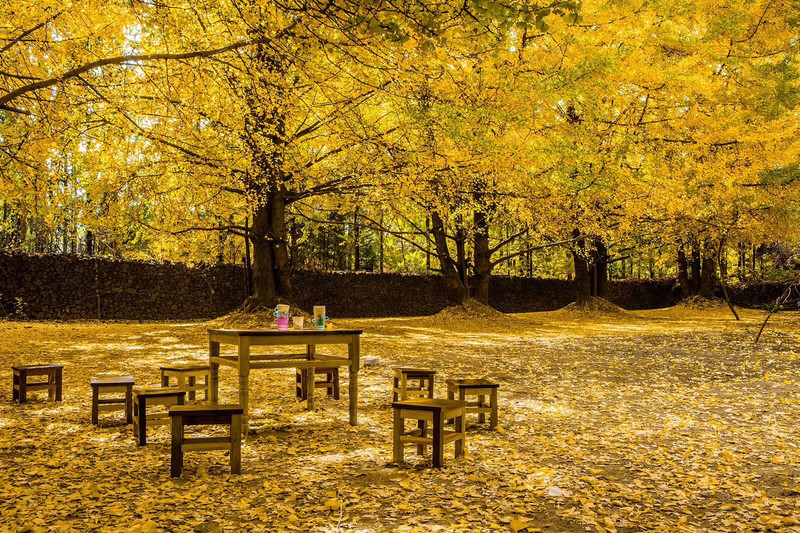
(144, 398)
(435, 412)
(205, 415)
(404, 388)
(330, 381)
(110, 385)
(21, 385)
(480, 387)
(186, 376)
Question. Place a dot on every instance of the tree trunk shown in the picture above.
(461, 252)
(281, 266)
(357, 243)
(583, 279)
(264, 291)
(696, 269)
(455, 291)
(600, 270)
(707, 276)
(683, 274)
(483, 263)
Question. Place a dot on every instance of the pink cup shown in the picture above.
(283, 323)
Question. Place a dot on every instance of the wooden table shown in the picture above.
(244, 361)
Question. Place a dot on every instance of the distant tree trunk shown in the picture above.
(483, 263)
(583, 282)
(89, 242)
(583, 275)
(455, 291)
(357, 244)
(708, 275)
(600, 276)
(683, 274)
(461, 252)
(696, 269)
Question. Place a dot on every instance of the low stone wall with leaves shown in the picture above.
(77, 287)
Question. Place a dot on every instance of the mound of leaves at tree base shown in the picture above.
(703, 304)
(469, 310)
(259, 317)
(597, 306)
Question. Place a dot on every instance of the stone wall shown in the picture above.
(72, 287)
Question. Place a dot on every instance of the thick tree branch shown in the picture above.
(118, 60)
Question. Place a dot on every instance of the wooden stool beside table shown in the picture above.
(482, 388)
(404, 389)
(435, 412)
(205, 415)
(21, 385)
(144, 398)
(112, 384)
(186, 376)
(331, 381)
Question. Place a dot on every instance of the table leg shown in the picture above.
(311, 378)
(244, 381)
(438, 443)
(354, 353)
(59, 384)
(493, 417)
(213, 372)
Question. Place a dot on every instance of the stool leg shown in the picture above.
(236, 444)
(192, 381)
(164, 379)
(394, 389)
(59, 384)
(206, 393)
(462, 397)
(129, 404)
(329, 383)
(423, 430)
(15, 387)
(481, 416)
(430, 390)
(397, 446)
(438, 444)
(23, 387)
(176, 449)
(336, 384)
(51, 386)
(141, 421)
(461, 444)
(95, 398)
(493, 415)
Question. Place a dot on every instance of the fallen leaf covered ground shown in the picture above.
(668, 420)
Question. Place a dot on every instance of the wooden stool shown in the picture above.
(107, 384)
(403, 390)
(21, 386)
(331, 381)
(426, 410)
(480, 388)
(206, 415)
(187, 378)
(144, 398)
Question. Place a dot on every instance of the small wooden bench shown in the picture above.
(436, 412)
(144, 398)
(21, 385)
(480, 388)
(404, 390)
(331, 381)
(186, 376)
(206, 415)
(112, 384)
